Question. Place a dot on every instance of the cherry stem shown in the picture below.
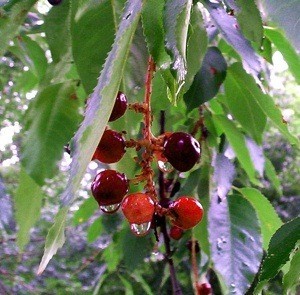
(194, 264)
(161, 181)
(148, 153)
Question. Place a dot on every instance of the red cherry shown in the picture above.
(119, 108)
(111, 147)
(109, 187)
(182, 151)
(54, 2)
(138, 208)
(187, 212)
(204, 289)
(176, 232)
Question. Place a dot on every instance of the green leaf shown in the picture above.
(237, 141)
(231, 32)
(85, 211)
(286, 15)
(250, 21)
(292, 278)
(55, 238)
(57, 30)
(28, 203)
(139, 279)
(246, 84)
(112, 256)
(127, 285)
(176, 23)
(284, 46)
(134, 249)
(99, 106)
(196, 46)
(95, 230)
(32, 55)
(10, 22)
(235, 240)
(152, 19)
(280, 248)
(242, 102)
(208, 80)
(54, 115)
(90, 50)
(266, 213)
(272, 176)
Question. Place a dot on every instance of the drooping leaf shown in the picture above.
(32, 55)
(250, 21)
(90, 50)
(53, 119)
(224, 173)
(292, 278)
(291, 57)
(55, 238)
(231, 32)
(243, 105)
(244, 83)
(280, 248)
(208, 80)
(196, 46)
(257, 155)
(237, 141)
(266, 213)
(272, 176)
(139, 279)
(127, 285)
(176, 23)
(11, 21)
(95, 230)
(85, 211)
(57, 30)
(99, 106)
(152, 18)
(286, 15)
(134, 249)
(235, 239)
(28, 203)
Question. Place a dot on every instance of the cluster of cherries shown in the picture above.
(110, 187)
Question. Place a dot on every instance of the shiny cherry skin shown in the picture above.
(119, 108)
(111, 147)
(182, 151)
(138, 208)
(186, 212)
(55, 2)
(109, 187)
(176, 232)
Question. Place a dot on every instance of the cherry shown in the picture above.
(54, 2)
(138, 208)
(186, 211)
(176, 232)
(182, 151)
(111, 147)
(119, 108)
(204, 289)
(109, 187)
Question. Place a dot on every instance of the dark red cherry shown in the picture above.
(111, 147)
(119, 108)
(204, 289)
(109, 187)
(54, 2)
(182, 151)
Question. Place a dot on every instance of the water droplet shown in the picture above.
(140, 229)
(251, 238)
(165, 167)
(219, 244)
(232, 288)
(110, 208)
